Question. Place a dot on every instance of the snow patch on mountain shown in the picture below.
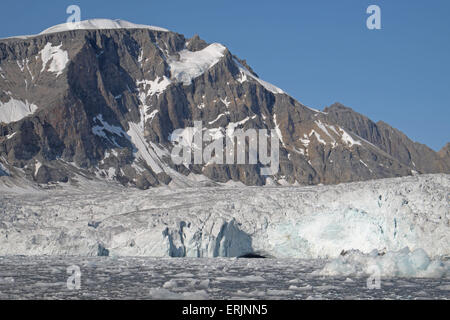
(151, 88)
(191, 65)
(277, 130)
(218, 117)
(21, 65)
(57, 57)
(317, 135)
(10, 136)
(245, 75)
(103, 127)
(37, 167)
(323, 128)
(146, 89)
(305, 140)
(225, 101)
(143, 150)
(15, 110)
(347, 138)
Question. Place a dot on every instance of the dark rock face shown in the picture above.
(47, 174)
(395, 143)
(108, 110)
(445, 151)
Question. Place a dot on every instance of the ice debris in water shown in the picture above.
(164, 294)
(403, 263)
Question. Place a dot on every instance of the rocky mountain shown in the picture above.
(415, 155)
(102, 100)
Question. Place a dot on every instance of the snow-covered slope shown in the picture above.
(15, 110)
(301, 222)
(58, 58)
(191, 65)
(94, 24)
(99, 24)
(246, 75)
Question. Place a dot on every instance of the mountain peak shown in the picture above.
(337, 106)
(94, 24)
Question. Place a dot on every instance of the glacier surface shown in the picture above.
(230, 221)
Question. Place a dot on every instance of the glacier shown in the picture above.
(308, 222)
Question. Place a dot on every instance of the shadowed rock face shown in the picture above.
(108, 100)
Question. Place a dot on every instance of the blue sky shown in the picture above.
(320, 51)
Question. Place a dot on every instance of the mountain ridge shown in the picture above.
(107, 101)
